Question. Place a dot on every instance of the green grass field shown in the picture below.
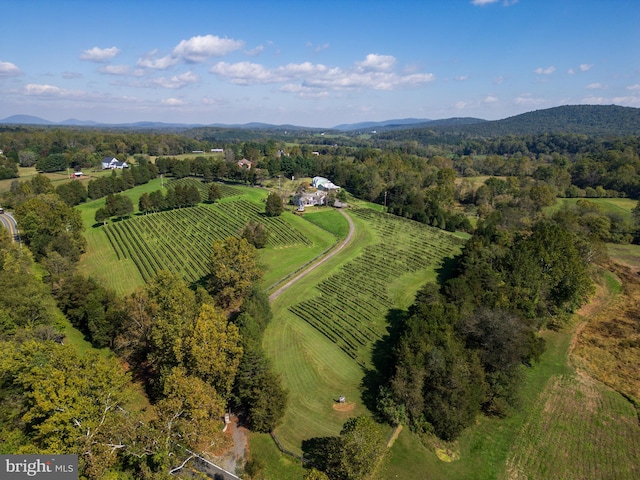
(126, 252)
(330, 220)
(317, 369)
(622, 206)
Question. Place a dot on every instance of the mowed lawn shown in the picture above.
(315, 370)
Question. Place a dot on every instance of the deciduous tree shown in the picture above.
(233, 270)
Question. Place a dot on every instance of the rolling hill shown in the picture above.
(578, 119)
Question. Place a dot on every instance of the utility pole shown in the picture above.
(385, 199)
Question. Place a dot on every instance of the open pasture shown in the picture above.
(180, 240)
(350, 310)
(577, 429)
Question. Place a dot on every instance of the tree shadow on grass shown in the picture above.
(447, 269)
(317, 451)
(382, 359)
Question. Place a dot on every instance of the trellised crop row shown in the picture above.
(353, 303)
(181, 240)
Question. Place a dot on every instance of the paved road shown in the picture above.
(10, 224)
(312, 267)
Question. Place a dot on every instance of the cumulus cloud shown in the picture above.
(99, 55)
(545, 71)
(162, 63)
(199, 48)
(172, 102)
(634, 87)
(44, 90)
(595, 86)
(194, 50)
(177, 81)
(377, 63)
(375, 72)
(8, 69)
(490, 99)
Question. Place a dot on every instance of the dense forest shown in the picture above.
(192, 352)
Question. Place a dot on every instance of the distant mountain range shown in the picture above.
(580, 119)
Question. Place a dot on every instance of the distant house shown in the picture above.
(77, 174)
(110, 163)
(309, 199)
(322, 183)
(244, 163)
(217, 150)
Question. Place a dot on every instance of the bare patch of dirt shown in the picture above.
(344, 407)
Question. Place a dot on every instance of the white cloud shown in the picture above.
(304, 91)
(194, 50)
(461, 78)
(318, 48)
(254, 52)
(44, 90)
(545, 71)
(490, 99)
(584, 67)
(377, 63)
(499, 80)
(506, 3)
(595, 86)
(115, 69)
(199, 48)
(527, 99)
(8, 69)
(373, 73)
(172, 102)
(177, 81)
(634, 87)
(628, 101)
(162, 63)
(99, 55)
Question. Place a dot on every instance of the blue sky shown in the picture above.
(314, 63)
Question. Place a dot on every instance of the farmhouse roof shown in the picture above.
(323, 183)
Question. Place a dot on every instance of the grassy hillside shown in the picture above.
(125, 253)
(324, 328)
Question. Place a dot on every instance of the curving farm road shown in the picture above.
(315, 265)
